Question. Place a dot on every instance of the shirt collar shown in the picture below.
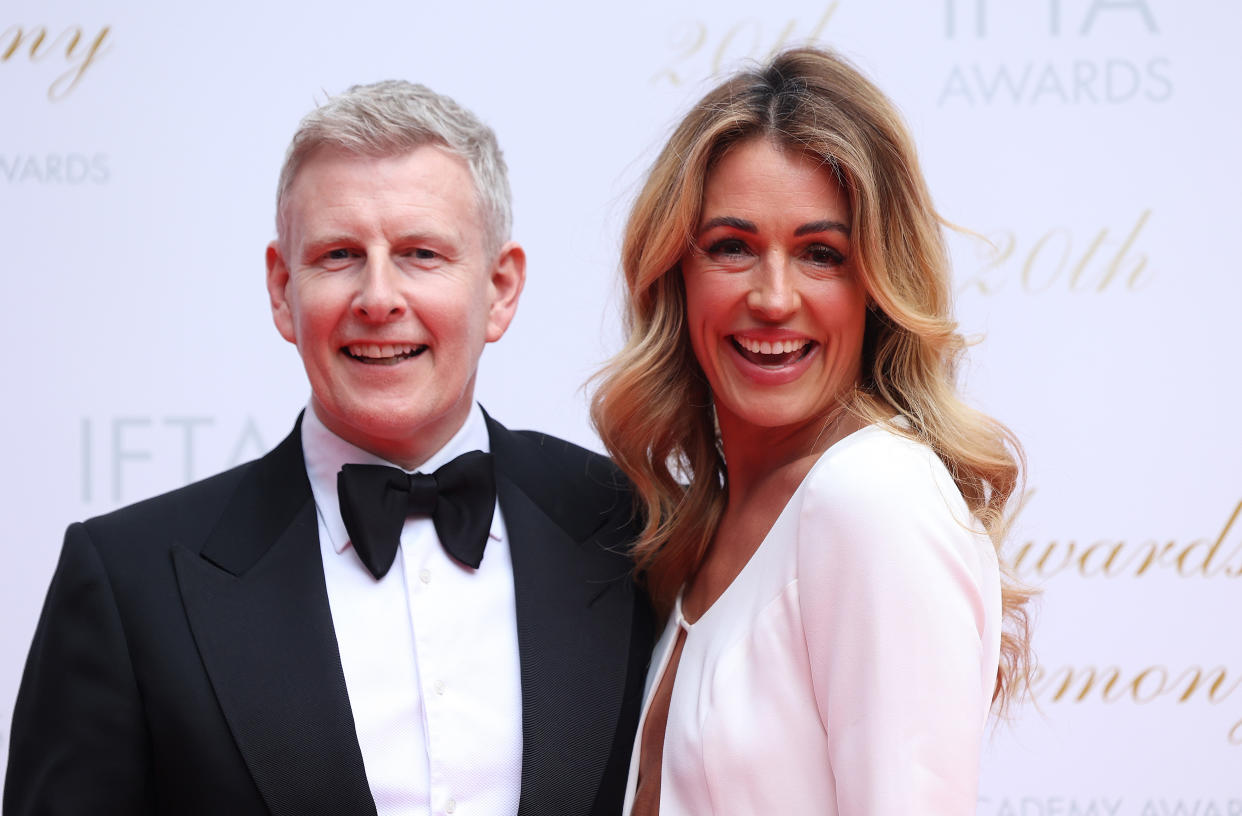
(325, 453)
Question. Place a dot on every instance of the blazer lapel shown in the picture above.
(258, 606)
(575, 601)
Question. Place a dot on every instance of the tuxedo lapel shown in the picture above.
(258, 607)
(575, 601)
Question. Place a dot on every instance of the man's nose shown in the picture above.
(774, 293)
(379, 298)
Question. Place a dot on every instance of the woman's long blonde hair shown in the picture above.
(653, 409)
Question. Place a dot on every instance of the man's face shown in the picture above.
(383, 281)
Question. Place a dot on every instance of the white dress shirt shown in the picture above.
(429, 652)
(849, 667)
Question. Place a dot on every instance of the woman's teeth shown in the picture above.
(771, 353)
(765, 347)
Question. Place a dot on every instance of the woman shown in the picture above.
(822, 511)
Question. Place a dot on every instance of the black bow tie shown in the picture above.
(460, 497)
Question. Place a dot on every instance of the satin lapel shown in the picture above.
(258, 607)
(575, 604)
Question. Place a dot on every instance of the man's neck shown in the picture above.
(408, 452)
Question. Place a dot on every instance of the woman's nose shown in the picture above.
(774, 293)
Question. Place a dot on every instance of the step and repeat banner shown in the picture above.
(1088, 149)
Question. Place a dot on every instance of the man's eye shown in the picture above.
(421, 254)
(341, 254)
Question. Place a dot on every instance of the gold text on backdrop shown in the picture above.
(1217, 557)
(745, 39)
(1053, 262)
(36, 44)
(1110, 685)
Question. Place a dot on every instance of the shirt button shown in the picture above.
(439, 687)
(450, 806)
(425, 576)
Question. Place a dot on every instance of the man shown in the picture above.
(283, 637)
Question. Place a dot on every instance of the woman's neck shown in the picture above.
(754, 455)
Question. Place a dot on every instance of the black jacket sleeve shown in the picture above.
(79, 744)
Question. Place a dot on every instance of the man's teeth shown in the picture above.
(764, 347)
(380, 352)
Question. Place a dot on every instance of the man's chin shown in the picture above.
(392, 428)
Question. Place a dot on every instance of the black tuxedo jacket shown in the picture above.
(185, 661)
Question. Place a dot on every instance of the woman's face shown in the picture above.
(774, 307)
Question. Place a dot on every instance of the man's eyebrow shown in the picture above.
(729, 221)
(317, 241)
(821, 226)
(313, 247)
(422, 237)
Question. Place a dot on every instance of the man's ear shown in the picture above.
(505, 287)
(277, 292)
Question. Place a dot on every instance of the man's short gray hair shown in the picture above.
(391, 118)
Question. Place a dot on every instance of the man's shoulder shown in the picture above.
(551, 457)
(569, 482)
(175, 506)
(574, 458)
(189, 513)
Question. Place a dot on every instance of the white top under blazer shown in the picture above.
(849, 667)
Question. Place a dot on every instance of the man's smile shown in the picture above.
(385, 354)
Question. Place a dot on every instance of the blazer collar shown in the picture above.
(575, 601)
(258, 606)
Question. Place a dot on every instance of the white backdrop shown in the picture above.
(1094, 141)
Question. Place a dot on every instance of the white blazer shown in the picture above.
(849, 668)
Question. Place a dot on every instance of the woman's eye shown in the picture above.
(824, 255)
(728, 248)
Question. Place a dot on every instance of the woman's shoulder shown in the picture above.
(877, 462)
(879, 489)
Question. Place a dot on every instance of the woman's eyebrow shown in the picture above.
(729, 221)
(822, 226)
